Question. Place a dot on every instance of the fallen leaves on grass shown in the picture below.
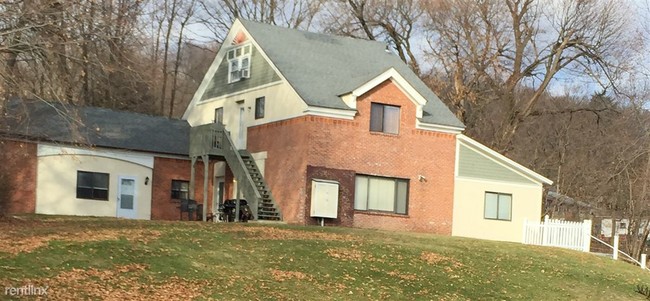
(403, 276)
(271, 233)
(280, 275)
(348, 254)
(434, 258)
(120, 283)
(15, 245)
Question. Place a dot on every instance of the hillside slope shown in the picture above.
(98, 258)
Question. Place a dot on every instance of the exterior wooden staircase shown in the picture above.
(266, 209)
(213, 141)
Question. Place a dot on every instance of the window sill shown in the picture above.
(87, 199)
(497, 220)
(384, 134)
(379, 213)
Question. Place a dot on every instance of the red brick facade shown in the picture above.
(338, 146)
(163, 207)
(17, 177)
(18, 181)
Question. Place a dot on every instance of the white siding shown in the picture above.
(281, 102)
(57, 180)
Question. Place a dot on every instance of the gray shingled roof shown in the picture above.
(322, 67)
(41, 121)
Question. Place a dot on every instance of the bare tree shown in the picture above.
(187, 15)
(393, 22)
(218, 15)
(511, 52)
(87, 53)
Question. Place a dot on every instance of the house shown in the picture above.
(308, 128)
(93, 162)
(336, 130)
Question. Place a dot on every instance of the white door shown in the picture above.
(126, 197)
(241, 143)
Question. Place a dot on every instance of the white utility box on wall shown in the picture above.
(324, 198)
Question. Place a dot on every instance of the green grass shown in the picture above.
(94, 258)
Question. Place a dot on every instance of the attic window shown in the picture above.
(239, 63)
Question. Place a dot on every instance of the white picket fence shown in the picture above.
(558, 233)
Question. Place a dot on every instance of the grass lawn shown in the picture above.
(103, 258)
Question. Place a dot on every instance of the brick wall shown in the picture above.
(336, 144)
(286, 143)
(346, 194)
(18, 177)
(163, 207)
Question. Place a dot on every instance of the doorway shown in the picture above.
(126, 200)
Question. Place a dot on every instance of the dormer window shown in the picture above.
(239, 63)
(384, 118)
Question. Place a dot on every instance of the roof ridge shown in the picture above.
(324, 34)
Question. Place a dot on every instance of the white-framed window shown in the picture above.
(92, 185)
(374, 193)
(384, 118)
(498, 206)
(239, 63)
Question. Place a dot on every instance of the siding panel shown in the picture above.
(473, 164)
(261, 74)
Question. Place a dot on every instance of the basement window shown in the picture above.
(384, 118)
(92, 185)
(381, 194)
(498, 206)
(239, 63)
(180, 190)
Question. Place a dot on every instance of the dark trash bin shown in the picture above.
(229, 208)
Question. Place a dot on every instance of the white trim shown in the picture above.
(503, 160)
(398, 80)
(438, 127)
(325, 181)
(222, 97)
(223, 52)
(328, 112)
(263, 155)
(527, 185)
(236, 27)
(266, 57)
(44, 150)
(456, 164)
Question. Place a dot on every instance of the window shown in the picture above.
(498, 206)
(384, 118)
(381, 194)
(92, 185)
(239, 63)
(180, 189)
(259, 107)
(218, 115)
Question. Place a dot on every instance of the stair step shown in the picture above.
(267, 215)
